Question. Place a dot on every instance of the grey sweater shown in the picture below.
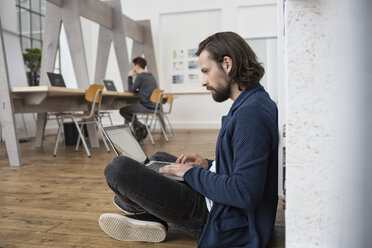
(144, 84)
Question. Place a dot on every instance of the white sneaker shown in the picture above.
(129, 228)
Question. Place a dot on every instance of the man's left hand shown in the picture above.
(175, 169)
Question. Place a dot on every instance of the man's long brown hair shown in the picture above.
(246, 71)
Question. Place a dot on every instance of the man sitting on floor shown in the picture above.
(228, 202)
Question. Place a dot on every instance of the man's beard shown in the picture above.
(222, 93)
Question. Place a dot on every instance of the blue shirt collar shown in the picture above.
(244, 95)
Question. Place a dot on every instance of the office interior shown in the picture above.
(311, 50)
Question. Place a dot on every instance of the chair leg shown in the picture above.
(59, 124)
(154, 126)
(78, 141)
(162, 129)
(166, 125)
(149, 130)
(82, 138)
(170, 125)
(58, 136)
(99, 125)
(150, 135)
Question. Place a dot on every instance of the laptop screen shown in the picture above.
(109, 84)
(56, 79)
(123, 141)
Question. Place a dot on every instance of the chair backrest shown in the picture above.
(91, 92)
(169, 98)
(94, 95)
(156, 96)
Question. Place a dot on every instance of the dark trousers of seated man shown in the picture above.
(169, 200)
(127, 113)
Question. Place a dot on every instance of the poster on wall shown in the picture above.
(191, 53)
(185, 66)
(178, 54)
(178, 66)
(193, 65)
(193, 78)
(177, 79)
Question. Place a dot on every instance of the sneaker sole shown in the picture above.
(126, 229)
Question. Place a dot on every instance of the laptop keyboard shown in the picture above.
(156, 165)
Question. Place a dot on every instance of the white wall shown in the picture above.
(312, 161)
(190, 25)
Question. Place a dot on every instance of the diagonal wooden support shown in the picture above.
(137, 49)
(103, 51)
(74, 35)
(52, 29)
(7, 119)
(117, 36)
(148, 49)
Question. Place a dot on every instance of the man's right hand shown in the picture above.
(193, 160)
(132, 72)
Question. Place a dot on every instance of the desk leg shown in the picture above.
(93, 138)
(40, 129)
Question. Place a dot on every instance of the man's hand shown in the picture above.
(132, 73)
(175, 169)
(193, 160)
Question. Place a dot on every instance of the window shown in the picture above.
(31, 15)
(31, 20)
(266, 51)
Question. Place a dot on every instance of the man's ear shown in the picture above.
(227, 64)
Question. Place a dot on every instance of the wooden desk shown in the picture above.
(43, 99)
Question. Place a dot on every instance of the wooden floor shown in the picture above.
(56, 202)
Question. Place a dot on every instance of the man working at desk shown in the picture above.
(228, 202)
(144, 84)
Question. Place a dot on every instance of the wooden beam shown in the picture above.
(74, 35)
(117, 36)
(56, 2)
(8, 123)
(149, 49)
(137, 49)
(96, 11)
(134, 30)
(103, 51)
(53, 20)
(101, 13)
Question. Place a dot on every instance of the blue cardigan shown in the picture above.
(244, 187)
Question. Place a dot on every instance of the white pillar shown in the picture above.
(312, 162)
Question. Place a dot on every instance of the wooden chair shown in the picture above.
(93, 95)
(149, 117)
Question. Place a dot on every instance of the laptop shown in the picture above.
(109, 84)
(56, 79)
(124, 143)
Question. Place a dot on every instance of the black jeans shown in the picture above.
(127, 113)
(171, 201)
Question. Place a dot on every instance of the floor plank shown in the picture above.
(56, 201)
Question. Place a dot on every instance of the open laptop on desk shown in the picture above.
(109, 84)
(124, 143)
(56, 79)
